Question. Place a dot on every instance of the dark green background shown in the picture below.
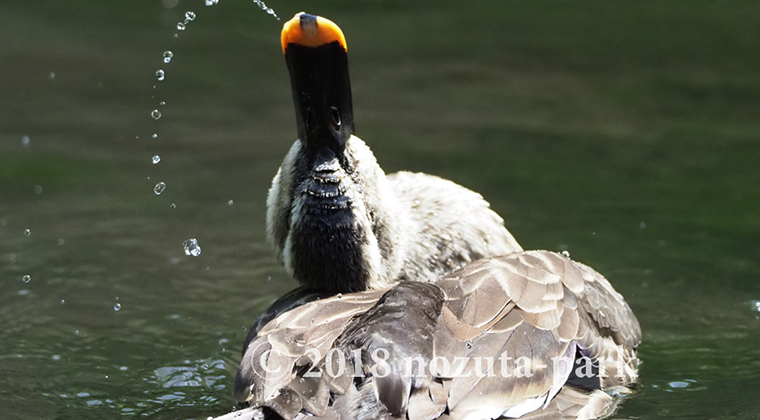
(625, 132)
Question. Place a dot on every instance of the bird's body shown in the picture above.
(480, 321)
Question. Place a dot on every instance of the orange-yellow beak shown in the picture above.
(311, 31)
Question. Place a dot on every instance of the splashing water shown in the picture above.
(159, 188)
(211, 2)
(168, 55)
(189, 17)
(191, 247)
(160, 75)
(264, 7)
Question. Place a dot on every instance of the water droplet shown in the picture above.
(117, 307)
(264, 7)
(61, 241)
(160, 74)
(156, 159)
(176, 36)
(189, 16)
(180, 26)
(159, 188)
(211, 2)
(172, 205)
(155, 136)
(63, 301)
(52, 75)
(269, 278)
(27, 278)
(469, 344)
(642, 225)
(566, 253)
(191, 247)
(229, 203)
(755, 305)
(27, 232)
(678, 384)
(56, 357)
(25, 141)
(38, 189)
(162, 103)
(156, 114)
(168, 55)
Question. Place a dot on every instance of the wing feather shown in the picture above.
(537, 305)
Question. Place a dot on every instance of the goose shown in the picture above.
(508, 334)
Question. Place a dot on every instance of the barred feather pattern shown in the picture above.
(535, 304)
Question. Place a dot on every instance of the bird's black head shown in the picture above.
(315, 52)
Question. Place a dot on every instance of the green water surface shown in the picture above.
(625, 132)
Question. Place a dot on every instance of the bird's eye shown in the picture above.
(335, 118)
(309, 118)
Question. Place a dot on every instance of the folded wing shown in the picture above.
(499, 338)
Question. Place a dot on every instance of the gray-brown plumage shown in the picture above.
(536, 304)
